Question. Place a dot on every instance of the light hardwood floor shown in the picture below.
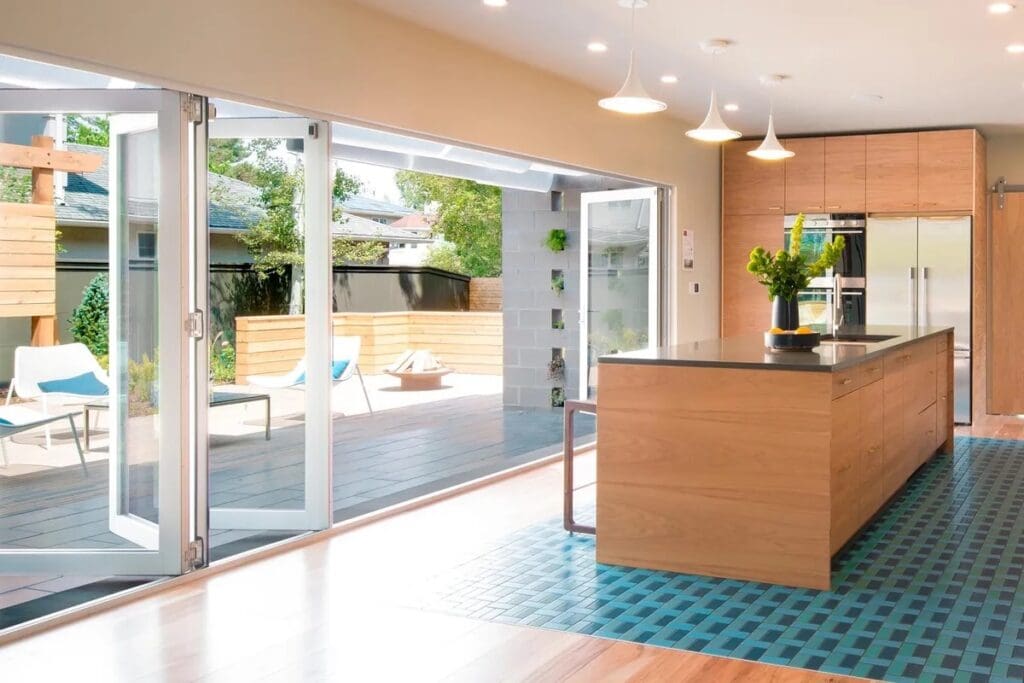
(336, 610)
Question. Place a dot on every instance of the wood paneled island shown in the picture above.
(725, 459)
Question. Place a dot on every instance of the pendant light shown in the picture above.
(770, 148)
(632, 98)
(713, 129)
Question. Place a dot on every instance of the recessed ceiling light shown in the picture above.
(731, 107)
(1015, 48)
(669, 79)
(1001, 8)
(495, 3)
(597, 46)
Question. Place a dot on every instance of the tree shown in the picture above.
(90, 321)
(468, 216)
(446, 257)
(88, 130)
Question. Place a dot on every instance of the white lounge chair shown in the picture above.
(345, 366)
(15, 419)
(60, 375)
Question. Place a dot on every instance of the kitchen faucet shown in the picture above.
(837, 304)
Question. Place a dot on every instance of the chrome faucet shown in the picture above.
(837, 304)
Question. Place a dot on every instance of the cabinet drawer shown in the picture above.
(924, 436)
(845, 381)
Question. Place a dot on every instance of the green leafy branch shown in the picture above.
(785, 273)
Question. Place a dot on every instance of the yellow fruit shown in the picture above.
(776, 330)
(804, 330)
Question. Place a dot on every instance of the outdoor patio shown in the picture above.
(414, 443)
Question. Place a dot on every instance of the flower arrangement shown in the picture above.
(785, 273)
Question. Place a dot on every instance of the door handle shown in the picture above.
(912, 291)
(922, 308)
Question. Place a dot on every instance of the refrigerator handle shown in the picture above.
(912, 287)
(922, 308)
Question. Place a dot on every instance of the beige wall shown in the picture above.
(335, 57)
(1006, 157)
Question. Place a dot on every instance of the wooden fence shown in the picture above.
(485, 294)
(468, 342)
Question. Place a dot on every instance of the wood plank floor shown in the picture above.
(337, 610)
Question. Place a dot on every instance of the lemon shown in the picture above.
(804, 330)
(776, 330)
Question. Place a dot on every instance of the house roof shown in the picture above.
(360, 204)
(361, 229)
(233, 203)
(414, 221)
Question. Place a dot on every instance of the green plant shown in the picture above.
(558, 325)
(141, 378)
(557, 397)
(90, 322)
(556, 239)
(785, 273)
(222, 363)
(558, 284)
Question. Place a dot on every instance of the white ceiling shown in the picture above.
(937, 63)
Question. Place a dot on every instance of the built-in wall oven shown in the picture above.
(817, 307)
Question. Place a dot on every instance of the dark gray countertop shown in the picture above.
(748, 351)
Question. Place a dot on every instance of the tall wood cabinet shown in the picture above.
(891, 181)
(759, 187)
(845, 174)
(946, 170)
(805, 176)
(747, 306)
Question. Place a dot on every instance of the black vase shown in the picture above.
(785, 313)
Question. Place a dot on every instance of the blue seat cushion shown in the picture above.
(5, 423)
(337, 370)
(86, 384)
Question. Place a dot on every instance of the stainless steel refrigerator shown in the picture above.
(919, 274)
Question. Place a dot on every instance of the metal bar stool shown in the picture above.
(568, 517)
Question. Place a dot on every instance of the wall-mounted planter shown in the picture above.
(557, 281)
(557, 319)
(557, 397)
(556, 366)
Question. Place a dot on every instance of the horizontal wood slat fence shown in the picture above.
(469, 342)
(485, 294)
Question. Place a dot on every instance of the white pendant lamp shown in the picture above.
(632, 98)
(713, 129)
(770, 148)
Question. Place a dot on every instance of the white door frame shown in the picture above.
(172, 536)
(316, 513)
(653, 194)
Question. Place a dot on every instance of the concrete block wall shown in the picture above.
(527, 263)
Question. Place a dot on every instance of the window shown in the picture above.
(147, 245)
(380, 219)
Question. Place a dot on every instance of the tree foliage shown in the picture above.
(15, 185)
(468, 216)
(88, 130)
(91, 319)
(446, 257)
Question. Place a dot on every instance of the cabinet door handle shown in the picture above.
(847, 381)
(873, 369)
(835, 206)
(775, 208)
(873, 449)
(930, 431)
(905, 356)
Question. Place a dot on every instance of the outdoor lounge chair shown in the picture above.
(344, 366)
(64, 374)
(16, 419)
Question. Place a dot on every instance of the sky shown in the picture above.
(378, 181)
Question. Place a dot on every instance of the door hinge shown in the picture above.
(194, 326)
(194, 108)
(314, 131)
(195, 555)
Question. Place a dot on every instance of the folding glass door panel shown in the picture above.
(111, 498)
(264, 280)
(619, 267)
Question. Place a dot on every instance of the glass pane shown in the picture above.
(618, 253)
(257, 388)
(78, 335)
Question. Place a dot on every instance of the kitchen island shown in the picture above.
(726, 459)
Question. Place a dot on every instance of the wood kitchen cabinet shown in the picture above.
(752, 186)
(845, 174)
(909, 397)
(805, 176)
(746, 307)
(892, 172)
(946, 170)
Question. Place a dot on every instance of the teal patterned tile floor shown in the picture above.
(929, 591)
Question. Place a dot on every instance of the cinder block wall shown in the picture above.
(529, 299)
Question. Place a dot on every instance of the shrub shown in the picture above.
(222, 363)
(90, 321)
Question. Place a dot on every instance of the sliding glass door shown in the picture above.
(619, 267)
(106, 396)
